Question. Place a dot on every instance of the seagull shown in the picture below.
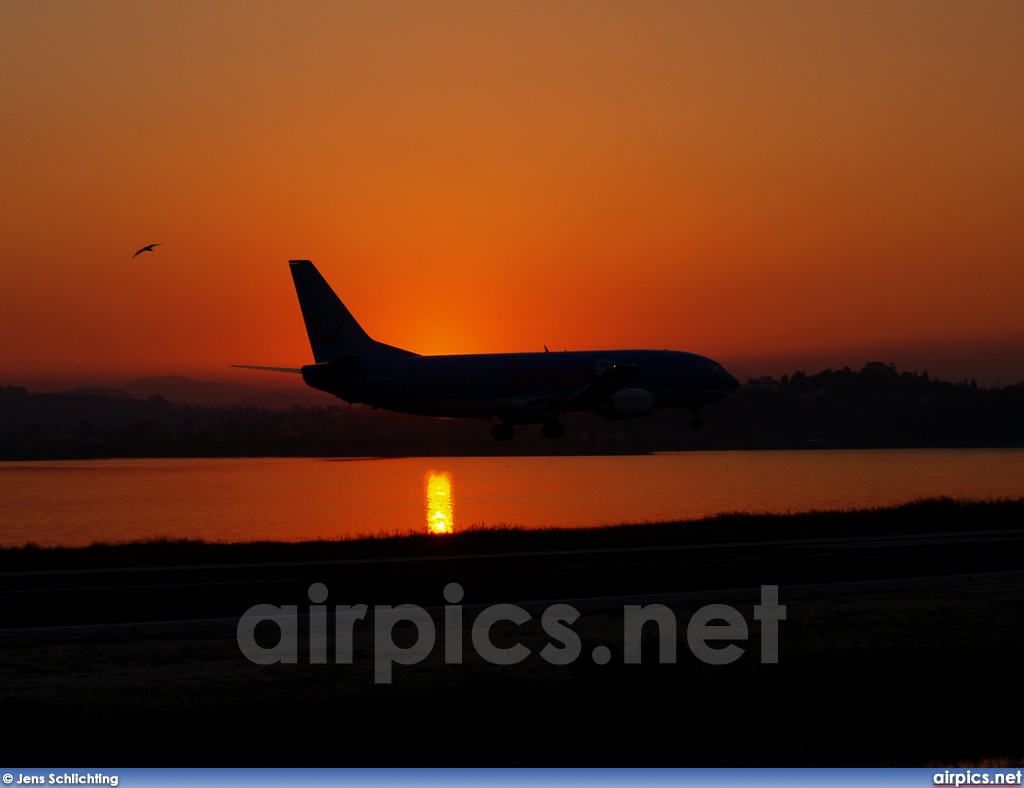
(145, 249)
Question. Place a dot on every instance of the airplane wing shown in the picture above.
(588, 397)
(599, 389)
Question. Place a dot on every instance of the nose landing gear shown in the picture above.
(695, 421)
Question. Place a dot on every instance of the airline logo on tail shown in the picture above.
(328, 340)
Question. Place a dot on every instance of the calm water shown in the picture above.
(76, 503)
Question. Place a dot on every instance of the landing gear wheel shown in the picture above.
(696, 422)
(553, 429)
(503, 432)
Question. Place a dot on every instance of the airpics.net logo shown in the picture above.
(968, 777)
(712, 633)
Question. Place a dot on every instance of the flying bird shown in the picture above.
(145, 249)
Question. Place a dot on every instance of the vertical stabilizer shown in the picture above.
(333, 332)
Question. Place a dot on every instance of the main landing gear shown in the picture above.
(552, 428)
(695, 420)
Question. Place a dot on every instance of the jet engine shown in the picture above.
(627, 404)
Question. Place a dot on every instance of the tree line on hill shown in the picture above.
(876, 407)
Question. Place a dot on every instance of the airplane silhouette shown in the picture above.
(518, 388)
(145, 249)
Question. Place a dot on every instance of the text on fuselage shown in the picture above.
(548, 377)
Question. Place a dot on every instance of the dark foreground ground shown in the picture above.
(901, 645)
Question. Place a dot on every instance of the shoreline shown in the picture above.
(932, 515)
(543, 450)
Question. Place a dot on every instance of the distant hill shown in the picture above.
(286, 399)
(186, 391)
(100, 391)
(220, 394)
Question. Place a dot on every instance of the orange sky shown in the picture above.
(775, 185)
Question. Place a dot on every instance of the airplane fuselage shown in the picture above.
(504, 384)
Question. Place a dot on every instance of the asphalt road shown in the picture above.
(47, 599)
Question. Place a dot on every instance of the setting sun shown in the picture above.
(440, 504)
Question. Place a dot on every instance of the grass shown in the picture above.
(937, 515)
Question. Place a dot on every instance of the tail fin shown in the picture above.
(333, 332)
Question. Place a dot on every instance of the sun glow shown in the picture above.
(440, 503)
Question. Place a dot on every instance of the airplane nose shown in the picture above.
(724, 380)
(721, 379)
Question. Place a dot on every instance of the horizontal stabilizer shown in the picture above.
(269, 369)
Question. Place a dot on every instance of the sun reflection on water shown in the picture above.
(440, 503)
